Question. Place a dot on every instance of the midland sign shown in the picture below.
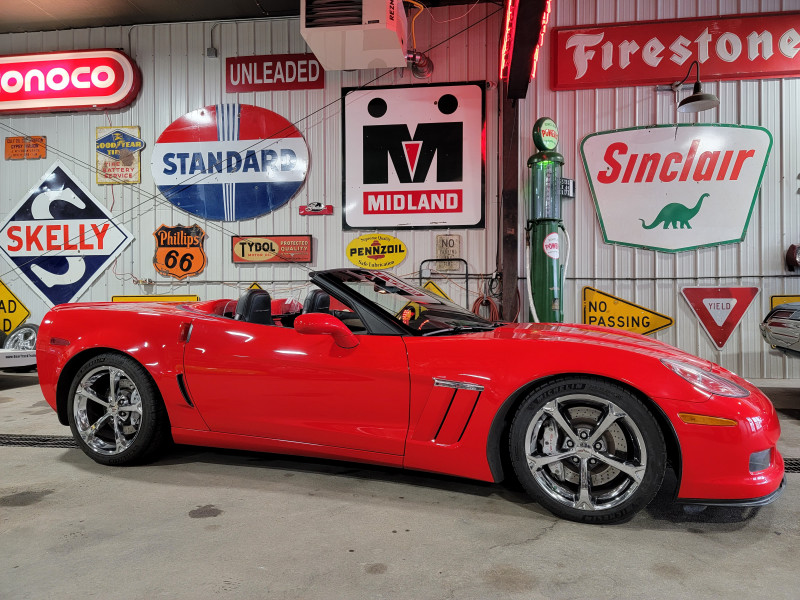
(736, 47)
(414, 157)
(76, 80)
(675, 187)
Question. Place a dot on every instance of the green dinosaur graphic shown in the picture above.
(675, 213)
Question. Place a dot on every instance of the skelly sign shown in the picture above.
(76, 80)
(413, 157)
(59, 238)
(673, 188)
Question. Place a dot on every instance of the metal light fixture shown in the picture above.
(421, 65)
(699, 100)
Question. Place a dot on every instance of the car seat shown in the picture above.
(255, 306)
(317, 301)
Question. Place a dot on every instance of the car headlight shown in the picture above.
(705, 380)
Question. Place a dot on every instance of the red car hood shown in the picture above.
(597, 336)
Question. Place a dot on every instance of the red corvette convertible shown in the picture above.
(363, 366)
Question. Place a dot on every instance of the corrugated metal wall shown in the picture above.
(654, 279)
(178, 78)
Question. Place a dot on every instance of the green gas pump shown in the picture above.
(545, 274)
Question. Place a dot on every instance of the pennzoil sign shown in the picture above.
(179, 251)
(376, 251)
(676, 187)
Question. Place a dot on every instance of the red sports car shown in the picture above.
(360, 365)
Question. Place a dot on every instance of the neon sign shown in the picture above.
(59, 81)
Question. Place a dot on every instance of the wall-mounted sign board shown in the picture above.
(675, 187)
(729, 47)
(76, 80)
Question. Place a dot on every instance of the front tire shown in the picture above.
(115, 412)
(587, 450)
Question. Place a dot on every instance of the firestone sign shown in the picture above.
(673, 188)
(731, 47)
(76, 80)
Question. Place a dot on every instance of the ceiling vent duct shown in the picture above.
(355, 34)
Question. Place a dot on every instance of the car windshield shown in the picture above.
(415, 307)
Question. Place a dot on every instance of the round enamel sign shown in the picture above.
(545, 134)
(230, 162)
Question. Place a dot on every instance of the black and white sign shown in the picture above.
(414, 157)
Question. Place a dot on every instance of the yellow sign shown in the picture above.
(606, 310)
(432, 287)
(776, 300)
(255, 286)
(12, 311)
(376, 251)
(118, 154)
(165, 298)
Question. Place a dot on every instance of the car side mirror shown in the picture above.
(324, 324)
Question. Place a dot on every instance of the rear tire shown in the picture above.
(587, 450)
(115, 412)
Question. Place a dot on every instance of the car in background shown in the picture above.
(781, 328)
(18, 353)
(360, 365)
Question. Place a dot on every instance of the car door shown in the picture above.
(271, 381)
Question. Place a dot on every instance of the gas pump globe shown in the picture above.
(545, 274)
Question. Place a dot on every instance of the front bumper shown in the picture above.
(715, 461)
(762, 501)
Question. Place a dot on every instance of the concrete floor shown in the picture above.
(222, 524)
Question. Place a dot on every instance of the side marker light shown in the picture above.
(693, 419)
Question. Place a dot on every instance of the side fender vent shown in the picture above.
(184, 391)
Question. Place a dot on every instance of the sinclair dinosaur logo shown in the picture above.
(673, 188)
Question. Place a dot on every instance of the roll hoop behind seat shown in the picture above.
(255, 306)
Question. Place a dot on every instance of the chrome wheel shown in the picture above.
(107, 410)
(585, 452)
(22, 338)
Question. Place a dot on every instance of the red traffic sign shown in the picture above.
(719, 309)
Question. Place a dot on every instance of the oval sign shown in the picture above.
(76, 80)
(376, 251)
(230, 162)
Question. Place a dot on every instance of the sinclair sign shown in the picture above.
(675, 187)
(76, 80)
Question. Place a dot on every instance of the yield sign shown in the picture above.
(719, 309)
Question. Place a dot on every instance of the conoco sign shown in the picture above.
(67, 81)
(673, 188)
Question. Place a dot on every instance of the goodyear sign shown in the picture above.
(118, 155)
(606, 310)
(12, 312)
(376, 251)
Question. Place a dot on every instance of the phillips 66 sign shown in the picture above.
(673, 188)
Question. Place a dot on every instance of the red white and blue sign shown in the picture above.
(230, 162)
(59, 238)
